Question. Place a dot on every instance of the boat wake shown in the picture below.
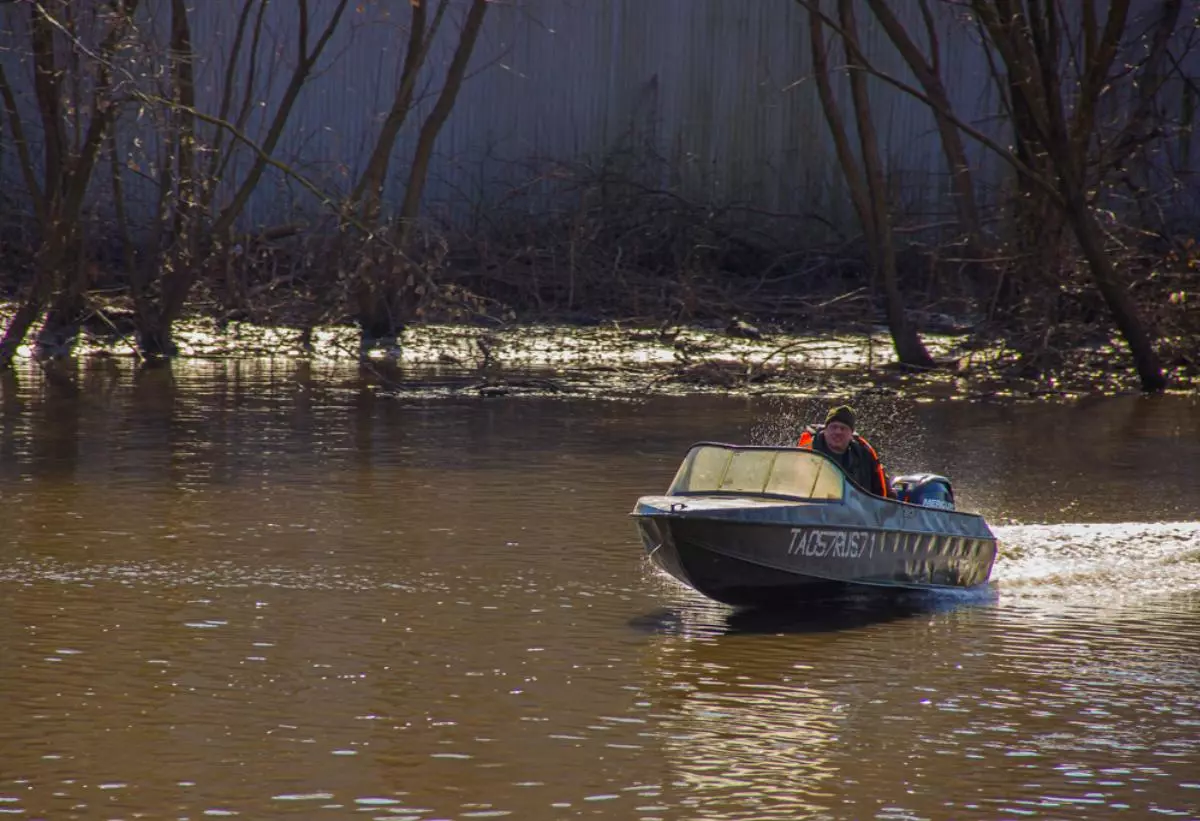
(1087, 562)
(1065, 568)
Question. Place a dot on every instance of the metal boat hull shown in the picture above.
(748, 552)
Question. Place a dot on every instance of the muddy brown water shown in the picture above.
(271, 590)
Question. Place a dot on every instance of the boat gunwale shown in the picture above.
(794, 500)
(745, 494)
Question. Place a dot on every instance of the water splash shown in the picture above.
(1098, 562)
(884, 418)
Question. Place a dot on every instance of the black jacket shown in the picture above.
(860, 462)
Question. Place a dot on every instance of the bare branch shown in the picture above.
(1095, 77)
(833, 117)
(182, 58)
(437, 117)
(925, 70)
(243, 112)
(935, 50)
(46, 80)
(1037, 179)
(304, 67)
(23, 155)
(1150, 82)
(260, 153)
(227, 85)
(370, 184)
(104, 113)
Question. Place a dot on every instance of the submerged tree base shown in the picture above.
(630, 360)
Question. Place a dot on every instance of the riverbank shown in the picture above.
(615, 359)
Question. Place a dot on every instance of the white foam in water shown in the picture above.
(1098, 561)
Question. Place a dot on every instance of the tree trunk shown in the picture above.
(64, 320)
(185, 256)
(927, 70)
(910, 350)
(49, 257)
(27, 313)
(387, 294)
(154, 339)
(1029, 42)
(1124, 312)
(837, 129)
(437, 117)
(67, 174)
(368, 190)
(68, 301)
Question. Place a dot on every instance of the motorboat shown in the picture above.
(753, 526)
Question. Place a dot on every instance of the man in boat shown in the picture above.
(837, 439)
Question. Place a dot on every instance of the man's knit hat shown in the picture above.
(843, 414)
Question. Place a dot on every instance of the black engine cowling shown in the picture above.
(925, 489)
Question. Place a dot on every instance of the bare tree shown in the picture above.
(386, 288)
(1028, 37)
(1058, 119)
(1035, 224)
(867, 184)
(198, 231)
(176, 238)
(72, 141)
(166, 289)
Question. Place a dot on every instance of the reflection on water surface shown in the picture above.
(270, 590)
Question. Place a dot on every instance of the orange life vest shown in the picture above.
(806, 442)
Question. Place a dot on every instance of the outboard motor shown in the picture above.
(925, 489)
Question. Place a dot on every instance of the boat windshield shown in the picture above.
(799, 474)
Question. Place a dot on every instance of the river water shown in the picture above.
(273, 590)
